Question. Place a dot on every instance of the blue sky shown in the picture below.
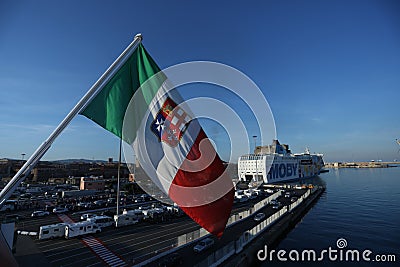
(330, 70)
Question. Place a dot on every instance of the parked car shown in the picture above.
(259, 217)
(111, 201)
(87, 216)
(274, 202)
(40, 213)
(277, 206)
(243, 198)
(203, 245)
(100, 203)
(253, 195)
(269, 191)
(287, 195)
(159, 206)
(26, 195)
(293, 199)
(60, 210)
(70, 207)
(138, 200)
(82, 204)
(49, 208)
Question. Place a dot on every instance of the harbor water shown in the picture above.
(360, 208)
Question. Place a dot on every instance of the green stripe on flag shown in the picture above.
(108, 107)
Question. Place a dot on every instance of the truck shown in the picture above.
(154, 213)
(81, 228)
(157, 215)
(33, 190)
(137, 214)
(125, 219)
(101, 221)
(52, 231)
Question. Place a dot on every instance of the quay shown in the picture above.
(364, 164)
(275, 233)
(245, 235)
(152, 243)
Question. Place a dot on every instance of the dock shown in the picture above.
(363, 164)
(244, 235)
(150, 243)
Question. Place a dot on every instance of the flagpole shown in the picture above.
(42, 149)
(118, 175)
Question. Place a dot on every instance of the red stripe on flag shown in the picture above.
(214, 215)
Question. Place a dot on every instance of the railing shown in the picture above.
(190, 237)
(234, 247)
(215, 258)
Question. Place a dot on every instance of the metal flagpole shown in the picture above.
(118, 175)
(42, 149)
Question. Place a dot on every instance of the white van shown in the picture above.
(101, 221)
(137, 213)
(81, 228)
(239, 193)
(52, 231)
(125, 219)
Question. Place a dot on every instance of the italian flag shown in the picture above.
(139, 105)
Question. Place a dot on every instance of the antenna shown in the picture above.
(398, 142)
(255, 143)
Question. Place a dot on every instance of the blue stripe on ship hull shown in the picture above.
(292, 179)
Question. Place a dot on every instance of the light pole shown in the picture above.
(255, 156)
(23, 155)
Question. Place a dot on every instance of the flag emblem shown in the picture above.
(170, 123)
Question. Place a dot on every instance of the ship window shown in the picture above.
(45, 232)
(56, 230)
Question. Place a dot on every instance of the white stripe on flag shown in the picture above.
(159, 159)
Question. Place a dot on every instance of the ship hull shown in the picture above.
(278, 168)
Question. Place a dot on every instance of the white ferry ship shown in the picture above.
(283, 166)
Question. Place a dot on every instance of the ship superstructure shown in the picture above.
(275, 163)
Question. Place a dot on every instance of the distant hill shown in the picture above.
(64, 161)
(67, 161)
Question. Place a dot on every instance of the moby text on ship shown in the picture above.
(275, 163)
